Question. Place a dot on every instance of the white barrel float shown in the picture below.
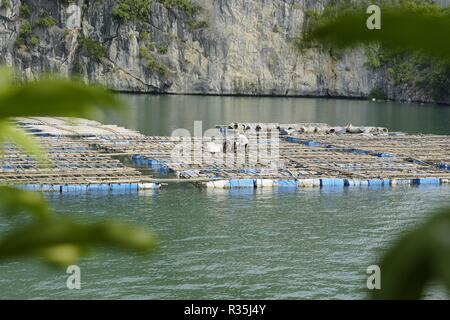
(264, 183)
(218, 184)
(400, 182)
(308, 183)
(149, 186)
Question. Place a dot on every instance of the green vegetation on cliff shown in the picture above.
(5, 4)
(45, 20)
(186, 6)
(92, 49)
(406, 68)
(153, 65)
(26, 39)
(131, 10)
(25, 11)
(24, 34)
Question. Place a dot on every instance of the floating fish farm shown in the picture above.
(85, 155)
(70, 164)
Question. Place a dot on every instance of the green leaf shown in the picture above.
(61, 255)
(11, 133)
(58, 241)
(6, 77)
(405, 269)
(62, 240)
(401, 28)
(418, 258)
(55, 97)
(13, 201)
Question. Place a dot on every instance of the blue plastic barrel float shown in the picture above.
(427, 181)
(242, 183)
(288, 183)
(379, 182)
(331, 182)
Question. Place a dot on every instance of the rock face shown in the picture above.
(229, 47)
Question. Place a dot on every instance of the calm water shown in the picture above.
(160, 115)
(293, 244)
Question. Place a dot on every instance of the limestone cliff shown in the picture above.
(227, 47)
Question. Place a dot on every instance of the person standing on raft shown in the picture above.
(243, 142)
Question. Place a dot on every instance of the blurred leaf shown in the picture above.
(13, 201)
(6, 77)
(418, 258)
(405, 269)
(49, 96)
(55, 97)
(401, 28)
(11, 133)
(62, 241)
(61, 255)
(58, 241)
